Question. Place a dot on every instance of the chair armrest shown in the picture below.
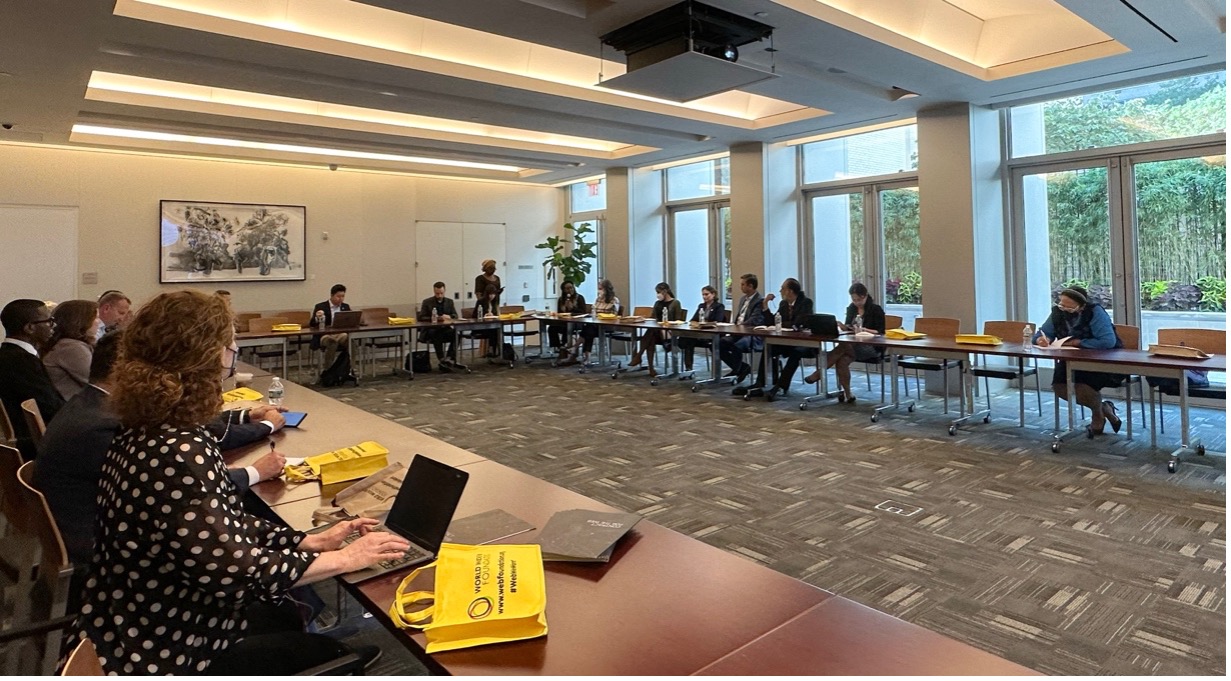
(36, 629)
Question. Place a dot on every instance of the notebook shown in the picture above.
(349, 319)
(584, 536)
(421, 514)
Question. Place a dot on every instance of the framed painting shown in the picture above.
(218, 242)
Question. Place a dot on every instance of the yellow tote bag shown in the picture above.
(484, 594)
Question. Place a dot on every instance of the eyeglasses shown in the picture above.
(50, 320)
(233, 348)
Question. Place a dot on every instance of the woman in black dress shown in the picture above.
(183, 579)
(841, 357)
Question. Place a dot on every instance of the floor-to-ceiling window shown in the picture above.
(862, 219)
(1124, 193)
(587, 203)
(699, 228)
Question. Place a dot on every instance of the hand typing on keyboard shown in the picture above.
(333, 538)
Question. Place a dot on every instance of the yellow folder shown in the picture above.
(978, 339)
(903, 334)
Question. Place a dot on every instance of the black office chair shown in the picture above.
(940, 327)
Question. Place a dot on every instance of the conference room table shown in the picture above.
(665, 603)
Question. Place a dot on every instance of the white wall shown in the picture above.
(370, 218)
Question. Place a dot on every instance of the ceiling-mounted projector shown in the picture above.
(686, 52)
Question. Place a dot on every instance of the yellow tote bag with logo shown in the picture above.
(484, 594)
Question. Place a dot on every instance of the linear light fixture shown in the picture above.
(106, 131)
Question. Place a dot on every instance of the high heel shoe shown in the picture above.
(1110, 413)
(813, 378)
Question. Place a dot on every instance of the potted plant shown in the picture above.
(571, 255)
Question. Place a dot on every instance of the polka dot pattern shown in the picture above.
(176, 557)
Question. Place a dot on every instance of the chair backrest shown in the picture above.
(726, 316)
(7, 435)
(265, 324)
(643, 311)
(35, 556)
(1007, 330)
(941, 327)
(467, 312)
(34, 420)
(1129, 335)
(893, 321)
(1209, 341)
(83, 661)
(300, 317)
(242, 319)
(509, 309)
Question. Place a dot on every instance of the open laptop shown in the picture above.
(421, 514)
(823, 325)
(349, 319)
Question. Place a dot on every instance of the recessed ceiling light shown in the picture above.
(274, 146)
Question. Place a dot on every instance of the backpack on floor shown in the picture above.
(339, 372)
(419, 362)
(509, 354)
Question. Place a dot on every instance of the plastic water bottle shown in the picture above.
(435, 316)
(1027, 338)
(666, 315)
(274, 394)
(858, 323)
(777, 321)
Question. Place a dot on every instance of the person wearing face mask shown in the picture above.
(712, 311)
(559, 333)
(1086, 325)
(208, 578)
(652, 338)
(28, 325)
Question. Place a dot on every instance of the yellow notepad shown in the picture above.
(286, 327)
(402, 320)
(903, 334)
(978, 339)
(239, 394)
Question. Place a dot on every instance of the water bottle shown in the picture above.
(274, 394)
(777, 321)
(435, 316)
(858, 323)
(666, 315)
(1027, 338)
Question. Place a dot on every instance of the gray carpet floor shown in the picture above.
(1093, 560)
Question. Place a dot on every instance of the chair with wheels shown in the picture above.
(1209, 341)
(1008, 370)
(892, 321)
(941, 327)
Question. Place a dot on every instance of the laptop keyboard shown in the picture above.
(412, 554)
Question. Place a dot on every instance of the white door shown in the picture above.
(438, 257)
(39, 257)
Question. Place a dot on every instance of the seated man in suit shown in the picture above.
(322, 316)
(71, 453)
(442, 305)
(115, 310)
(795, 306)
(748, 312)
(27, 326)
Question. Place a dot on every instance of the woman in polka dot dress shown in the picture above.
(179, 566)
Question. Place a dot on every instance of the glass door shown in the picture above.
(699, 250)
(838, 247)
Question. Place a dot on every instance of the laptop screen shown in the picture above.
(425, 504)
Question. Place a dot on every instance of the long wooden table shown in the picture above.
(664, 604)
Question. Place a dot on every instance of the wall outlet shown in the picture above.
(525, 297)
(89, 278)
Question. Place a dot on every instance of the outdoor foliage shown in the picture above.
(1181, 204)
(900, 220)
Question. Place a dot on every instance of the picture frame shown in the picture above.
(205, 241)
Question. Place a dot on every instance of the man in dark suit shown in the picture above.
(27, 326)
(71, 454)
(794, 308)
(747, 312)
(322, 316)
(445, 311)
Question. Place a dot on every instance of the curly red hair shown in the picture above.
(170, 366)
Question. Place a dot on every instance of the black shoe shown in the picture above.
(444, 368)
(771, 395)
(739, 390)
(744, 370)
